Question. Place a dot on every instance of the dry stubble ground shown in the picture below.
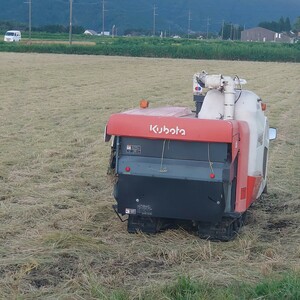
(59, 237)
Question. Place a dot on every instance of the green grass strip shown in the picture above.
(286, 287)
(155, 47)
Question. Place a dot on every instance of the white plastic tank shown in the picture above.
(247, 108)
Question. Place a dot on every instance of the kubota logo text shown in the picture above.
(166, 130)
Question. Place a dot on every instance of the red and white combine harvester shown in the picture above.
(203, 168)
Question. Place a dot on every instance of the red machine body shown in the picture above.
(179, 123)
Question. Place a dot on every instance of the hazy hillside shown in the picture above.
(170, 15)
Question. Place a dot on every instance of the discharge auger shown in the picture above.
(203, 168)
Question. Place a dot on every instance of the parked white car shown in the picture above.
(12, 36)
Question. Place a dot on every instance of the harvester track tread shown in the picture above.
(224, 231)
(143, 224)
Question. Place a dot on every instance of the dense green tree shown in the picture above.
(60, 29)
(274, 26)
(53, 28)
(8, 25)
(136, 31)
(287, 24)
(296, 25)
(76, 29)
(225, 31)
(230, 31)
(280, 26)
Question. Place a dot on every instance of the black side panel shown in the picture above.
(170, 198)
(218, 152)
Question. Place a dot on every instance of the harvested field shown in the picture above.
(59, 236)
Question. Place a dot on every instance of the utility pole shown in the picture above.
(234, 31)
(71, 18)
(29, 20)
(154, 18)
(189, 24)
(222, 30)
(207, 25)
(29, 3)
(103, 16)
(113, 30)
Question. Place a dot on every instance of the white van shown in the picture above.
(12, 36)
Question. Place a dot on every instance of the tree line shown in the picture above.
(228, 31)
(282, 25)
(56, 28)
(231, 31)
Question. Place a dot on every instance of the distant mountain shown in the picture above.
(170, 15)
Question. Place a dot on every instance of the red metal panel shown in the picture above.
(253, 183)
(242, 174)
(172, 127)
(247, 186)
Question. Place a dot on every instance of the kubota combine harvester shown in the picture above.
(203, 168)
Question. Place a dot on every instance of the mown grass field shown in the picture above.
(59, 237)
